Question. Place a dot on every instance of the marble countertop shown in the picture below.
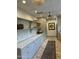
(26, 42)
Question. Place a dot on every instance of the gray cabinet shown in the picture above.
(29, 50)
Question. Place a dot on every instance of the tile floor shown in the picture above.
(41, 49)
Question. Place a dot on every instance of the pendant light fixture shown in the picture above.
(49, 16)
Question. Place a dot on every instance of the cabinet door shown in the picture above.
(31, 49)
(25, 53)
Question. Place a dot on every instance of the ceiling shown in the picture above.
(54, 6)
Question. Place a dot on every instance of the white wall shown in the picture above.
(42, 22)
(59, 24)
(51, 32)
(22, 14)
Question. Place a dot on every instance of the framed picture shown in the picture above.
(20, 26)
(51, 26)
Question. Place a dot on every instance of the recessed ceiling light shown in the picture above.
(24, 2)
(36, 11)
